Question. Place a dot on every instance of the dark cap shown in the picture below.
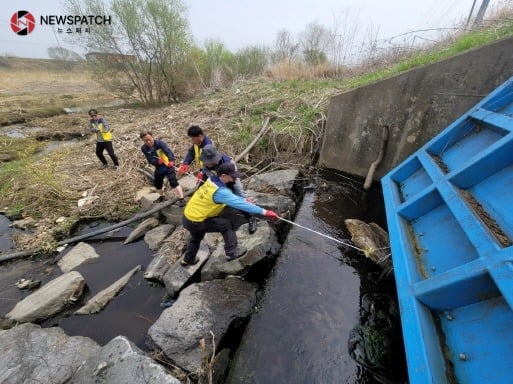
(228, 169)
(209, 154)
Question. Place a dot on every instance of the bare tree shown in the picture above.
(314, 43)
(145, 48)
(369, 52)
(284, 47)
(344, 37)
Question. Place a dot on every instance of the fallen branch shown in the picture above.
(255, 140)
(375, 163)
(139, 216)
(147, 173)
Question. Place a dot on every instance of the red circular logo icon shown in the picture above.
(22, 23)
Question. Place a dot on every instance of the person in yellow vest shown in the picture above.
(211, 160)
(208, 211)
(199, 140)
(158, 154)
(100, 126)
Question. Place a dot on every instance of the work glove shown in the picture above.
(161, 161)
(183, 168)
(199, 178)
(271, 214)
(170, 164)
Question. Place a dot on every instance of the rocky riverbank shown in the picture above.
(211, 301)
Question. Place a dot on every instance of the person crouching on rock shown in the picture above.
(212, 159)
(158, 154)
(208, 211)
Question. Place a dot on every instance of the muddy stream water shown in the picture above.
(310, 303)
(313, 296)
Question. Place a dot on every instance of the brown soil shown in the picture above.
(489, 221)
(65, 176)
(438, 160)
(49, 187)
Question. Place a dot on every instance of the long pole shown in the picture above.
(471, 11)
(480, 14)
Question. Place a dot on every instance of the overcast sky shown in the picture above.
(241, 23)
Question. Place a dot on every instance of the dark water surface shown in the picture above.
(133, 310)
(10, 272)
(312, 298)
(130, 313)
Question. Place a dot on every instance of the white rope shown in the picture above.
(322, 234)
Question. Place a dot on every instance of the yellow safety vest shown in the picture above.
(197, 153)
(202, 205)
(162, 155)
(107, 136)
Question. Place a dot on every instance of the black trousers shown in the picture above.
(106, 145)
(171, 176)
(226, 223)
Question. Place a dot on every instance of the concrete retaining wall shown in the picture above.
(415, 105)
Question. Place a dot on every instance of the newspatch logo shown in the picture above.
(22, 23)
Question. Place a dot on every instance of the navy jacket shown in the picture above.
(190, 155)
(154, 153)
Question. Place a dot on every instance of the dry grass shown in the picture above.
(29, 88)
(295, 70)
(20, 80)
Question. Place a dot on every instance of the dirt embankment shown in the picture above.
(48, 187)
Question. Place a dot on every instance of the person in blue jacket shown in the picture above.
(212, 159)
(199, 140)
(158, 154)
(207, 211)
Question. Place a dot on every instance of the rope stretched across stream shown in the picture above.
(322, 234)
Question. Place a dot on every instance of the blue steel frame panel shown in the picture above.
(450, 219)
